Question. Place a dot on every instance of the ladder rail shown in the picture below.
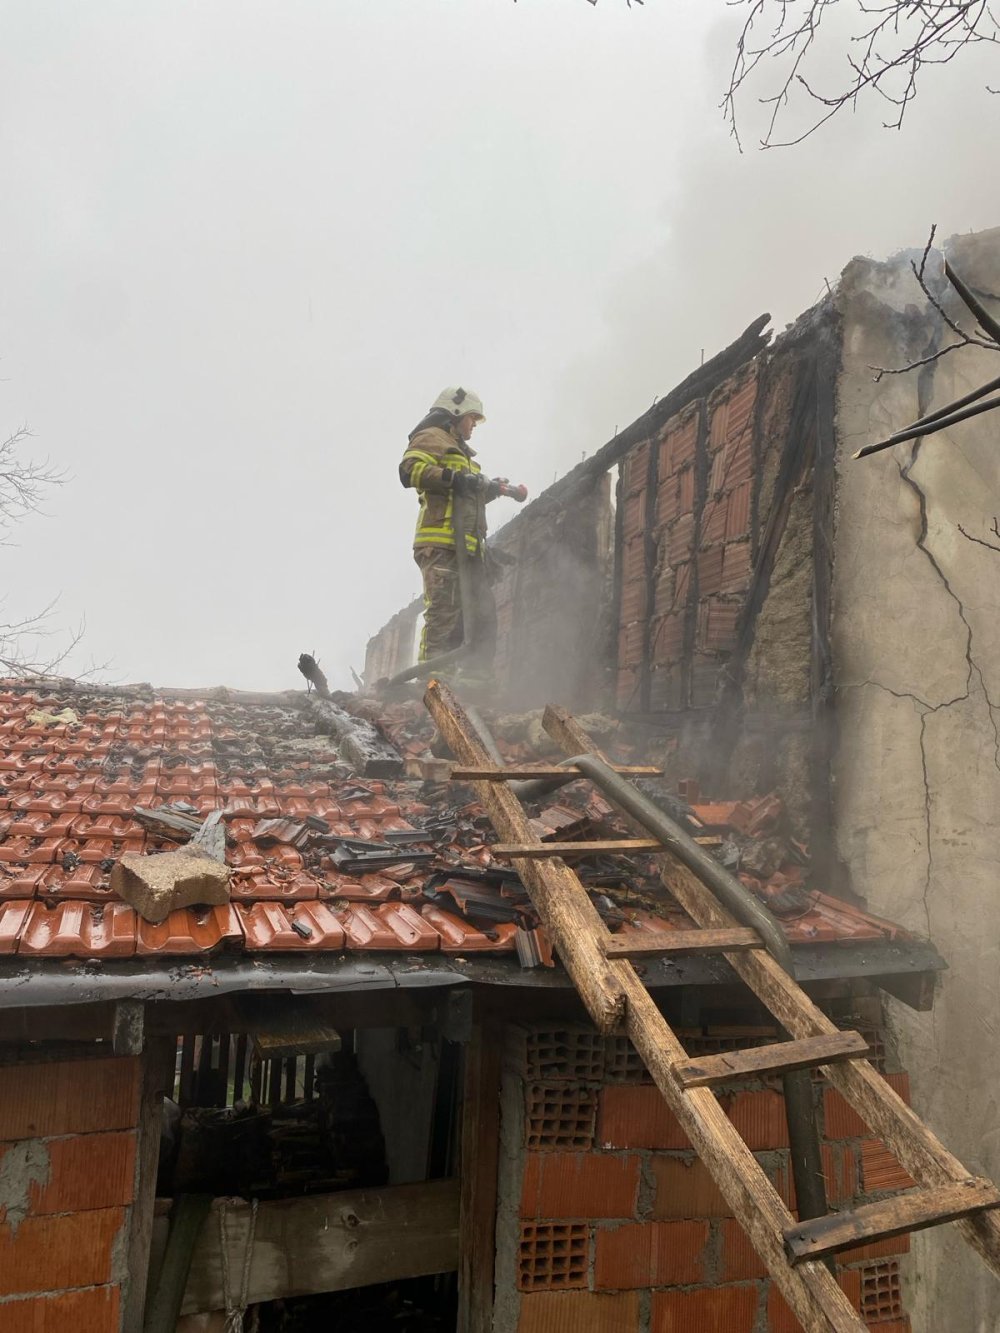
(915, 1146)
(807, 1161)
(579, 935)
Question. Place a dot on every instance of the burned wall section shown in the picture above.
(724, 556)
(392, 648)
(917, 658)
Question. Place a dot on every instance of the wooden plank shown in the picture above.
(779, 1056)
(818, 1302)
(491, 773)
(157, 1078)
(910, 1141)
(328, 1242)
(480, 1156)
(608, 847)
(612, 847)
(187, 1078)
(814, 1296)
(189, 1220)
(913, 1211)
(663, 943)
(211, 837)
(811, 1291)
(239, 1067)
(573, 921)
(284, 1041)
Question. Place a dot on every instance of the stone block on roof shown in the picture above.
(159, 884)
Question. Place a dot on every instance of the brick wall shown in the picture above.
(68, 1132)
(686, 557)
(608, 1222)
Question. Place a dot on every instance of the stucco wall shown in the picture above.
(916, 636)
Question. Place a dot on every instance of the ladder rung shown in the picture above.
(779, 1057)
(620, 847)
(562, 771)
(913, 1211)
(681, 941)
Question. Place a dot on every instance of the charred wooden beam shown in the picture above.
(310, 668)
(360, 743)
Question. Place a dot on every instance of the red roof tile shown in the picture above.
(79, 930)
(68, 795)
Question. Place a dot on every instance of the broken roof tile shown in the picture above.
(311, 925)
(361, 888)
(390, 926)
(252, 885)
(68, 797)
(459, 936)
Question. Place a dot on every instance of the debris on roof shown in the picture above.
(316, 858)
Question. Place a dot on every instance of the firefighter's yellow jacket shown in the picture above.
(432, 458)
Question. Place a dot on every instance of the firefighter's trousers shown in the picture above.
(444, 625)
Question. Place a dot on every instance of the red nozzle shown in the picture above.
(518, 493)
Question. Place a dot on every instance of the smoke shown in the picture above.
(767, 230)
(246, 245)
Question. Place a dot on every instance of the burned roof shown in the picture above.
(324, 864)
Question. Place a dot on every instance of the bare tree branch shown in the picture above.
(933, 297)
(892, 43)
(23, 484)
(990, 546)
(25, 650)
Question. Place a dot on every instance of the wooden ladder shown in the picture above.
(601, 969)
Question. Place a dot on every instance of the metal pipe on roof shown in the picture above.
(807, 1162)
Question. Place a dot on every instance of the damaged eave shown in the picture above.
(906, 968)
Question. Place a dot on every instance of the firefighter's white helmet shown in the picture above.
(458, 402)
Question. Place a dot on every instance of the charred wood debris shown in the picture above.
(440, 853)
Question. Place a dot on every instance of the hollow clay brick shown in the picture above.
(52, 1253)
(71, 1097)
(580, 1312)
(638, 1117)
(650, 1254)
(579, 1185)
(94, 1310)
(707, 1310)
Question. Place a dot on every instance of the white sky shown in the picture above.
(243, 246)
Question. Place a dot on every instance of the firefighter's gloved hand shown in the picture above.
(470, 483)
(494, 488)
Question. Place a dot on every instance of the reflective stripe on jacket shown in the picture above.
(430, 454)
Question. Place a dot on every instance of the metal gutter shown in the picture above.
(44, 982)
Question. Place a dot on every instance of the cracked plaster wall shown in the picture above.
(916, 636)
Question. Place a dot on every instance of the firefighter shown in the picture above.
(440, 464)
